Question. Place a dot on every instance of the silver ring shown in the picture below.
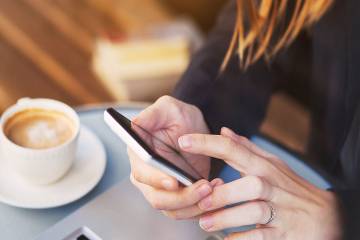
(272, 213)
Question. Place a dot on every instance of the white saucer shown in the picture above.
(85, 173)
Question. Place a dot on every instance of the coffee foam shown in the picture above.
(39, 128)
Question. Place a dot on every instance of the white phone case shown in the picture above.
(142, 153)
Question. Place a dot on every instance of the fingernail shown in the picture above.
(205, 203)
(184, 142)
(216, 182)
(223, 129)
(213, 182)
(206, 222)
(228, 132)
(204, 190)
(167, 184)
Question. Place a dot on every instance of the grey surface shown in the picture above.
(123, 213)
(23, 224)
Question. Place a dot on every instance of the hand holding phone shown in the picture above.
(151, 149)
(168, 119)
(158, 147)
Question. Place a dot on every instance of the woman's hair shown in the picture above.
(258, 21)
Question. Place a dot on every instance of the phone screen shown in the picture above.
(166, 152)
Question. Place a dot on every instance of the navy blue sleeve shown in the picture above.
(235, 99)
(349, 193)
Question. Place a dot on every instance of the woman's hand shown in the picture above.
(168, 119)
(282, 204)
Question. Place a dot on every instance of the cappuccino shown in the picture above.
(39, 128)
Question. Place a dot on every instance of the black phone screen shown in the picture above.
(166, 153)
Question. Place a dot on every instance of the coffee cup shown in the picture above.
(38, 139)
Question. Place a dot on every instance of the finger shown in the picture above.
(185, 213)
(244, 189)
(146, 174)
(150, 117)
(257, 212)
(255, 234)
(255, 149)
(156, 115)
(236, 155)
(216, 182)
(246, 142)
(165, 200)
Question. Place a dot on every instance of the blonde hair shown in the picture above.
(263, 18)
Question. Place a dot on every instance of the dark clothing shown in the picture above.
(324, 62)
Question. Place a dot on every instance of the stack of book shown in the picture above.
(142, 68)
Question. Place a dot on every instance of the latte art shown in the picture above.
(39, 128)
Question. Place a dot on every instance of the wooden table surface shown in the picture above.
(46, 46)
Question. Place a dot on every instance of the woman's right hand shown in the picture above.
(168, 119)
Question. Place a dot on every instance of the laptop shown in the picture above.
(122, 213)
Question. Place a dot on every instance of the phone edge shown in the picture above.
(143, 154)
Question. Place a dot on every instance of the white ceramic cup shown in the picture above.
(39, 166)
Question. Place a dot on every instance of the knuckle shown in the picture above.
(189, 195)
(229, 148)
(258, 186)
(170, 103)
(175, 215)
(242, 139)
(229, 144)
(195, 109)
(261, 167)
(165, 98)
(170, 214)
(151, 198)
(155, 203)
(136, 175)
(199, 183)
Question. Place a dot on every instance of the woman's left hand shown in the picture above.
(282, 204)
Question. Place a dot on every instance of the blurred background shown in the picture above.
(100, 51)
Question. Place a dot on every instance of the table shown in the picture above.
(18, 224)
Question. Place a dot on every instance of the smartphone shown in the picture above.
(151, 149)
